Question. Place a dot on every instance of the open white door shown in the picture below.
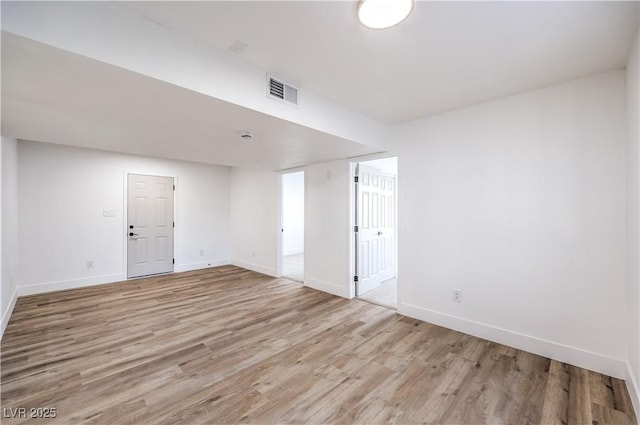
(150, 225)
(292, 228)
(375, 222)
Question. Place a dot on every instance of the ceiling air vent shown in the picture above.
(278, 90)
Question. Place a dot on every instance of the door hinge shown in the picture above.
(355, 229)
(174, 224)
(174, 261)
(355, 278)
(355, 179)
(174, 187)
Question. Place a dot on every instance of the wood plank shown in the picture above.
(606, 415)
(555, 410)
(228, 345)
(601, 390)
(579, 396)
(621, 399)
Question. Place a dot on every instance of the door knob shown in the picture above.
(133, 234)
(379, 232)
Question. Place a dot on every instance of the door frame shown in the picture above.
(280, 214)
(353, 254)
(125, 218)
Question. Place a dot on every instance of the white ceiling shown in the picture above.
(446, 55)
(55, 96)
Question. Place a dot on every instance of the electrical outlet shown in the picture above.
(457, 295)
(201, 252)
(89, 264)
(253, 253)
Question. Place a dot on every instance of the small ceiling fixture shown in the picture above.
(238, 47)
(379, 14)
(246, 134)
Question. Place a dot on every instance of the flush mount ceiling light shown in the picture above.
(378, 14)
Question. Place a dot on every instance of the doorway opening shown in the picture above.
(150, 225)
(375, 231)
(292, 228)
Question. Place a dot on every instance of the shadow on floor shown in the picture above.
(293, 267)
(385, 295)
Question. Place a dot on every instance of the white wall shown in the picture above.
(254, 219)
(62, 194)
(633, 218)
(520, 203)
(9, 209)
(293, 213)
(327, 244)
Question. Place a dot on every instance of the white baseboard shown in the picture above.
(269, 271)
(6, 315)
(332, 288)
(560, 352)
(201, 265)
(60, 285)
(633, 386)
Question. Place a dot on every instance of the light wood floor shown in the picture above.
(226, 346)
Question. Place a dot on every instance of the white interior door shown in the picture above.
(150, 225)
(376, 246)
